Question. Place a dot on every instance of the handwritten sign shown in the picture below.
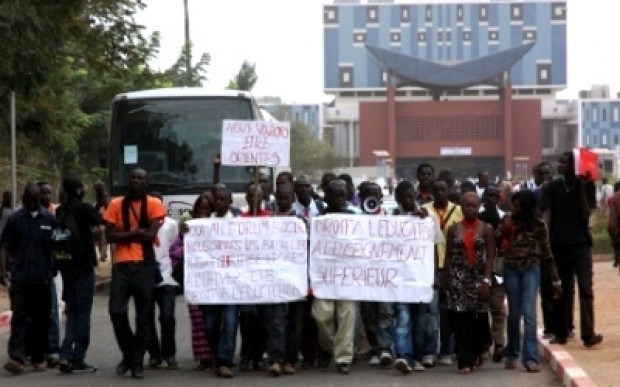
(246, 260)
(256, 143)
(372, 258)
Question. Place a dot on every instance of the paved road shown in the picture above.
(104, 353)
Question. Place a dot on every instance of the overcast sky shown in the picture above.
(284, 38)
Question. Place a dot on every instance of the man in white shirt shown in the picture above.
(164, 297)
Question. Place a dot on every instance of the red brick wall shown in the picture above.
(422, 128)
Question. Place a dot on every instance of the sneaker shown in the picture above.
(244, 364)
(417, 366)
(343, 368)
(275, 370)
(65, 367)
(428, 361)
(323, 359)
(445, 360)
(374, 360)
(594, 340)
(499, 353)
(84, 368)
(171, 363)
(402, 366)
(204, 365)
(154, 363)
(288, 369)
(557, 340)
(137, 372)
(386, 359)
(14, 367)
(122, 367)
(38, 367)
(306, 365)
(52, 361)
(260, 365)
(224, 372)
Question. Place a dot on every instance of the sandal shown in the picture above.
(465, 371)
(510, 364)
(532, 367)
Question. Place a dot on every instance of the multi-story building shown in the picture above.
(462, 85)
(307, 114)
(598, 116)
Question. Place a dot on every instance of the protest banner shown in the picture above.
(263, 143)
(246, 260)
(372, 258)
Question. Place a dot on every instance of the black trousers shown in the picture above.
(574, 261)
(284, 327)
(31, 306)
(309, 342)
(253, 329)
(132, 280)
(472, 333)
(165, 298)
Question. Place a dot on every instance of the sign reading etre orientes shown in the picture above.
(263, 143)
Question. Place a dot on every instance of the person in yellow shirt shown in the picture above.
(445, 214)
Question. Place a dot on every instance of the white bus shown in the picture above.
(175, 134)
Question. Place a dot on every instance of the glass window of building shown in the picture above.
(372, 14)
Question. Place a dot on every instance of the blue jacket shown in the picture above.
(29, 241)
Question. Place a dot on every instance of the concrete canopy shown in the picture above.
(485, 70)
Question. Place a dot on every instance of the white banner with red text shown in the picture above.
(258, 143)
(372, 258)
(246, 260)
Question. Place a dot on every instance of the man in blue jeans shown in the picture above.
(412, 326)
(78, 277)
(222, 321)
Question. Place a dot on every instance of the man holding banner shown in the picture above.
(335, 319)
(284, 320)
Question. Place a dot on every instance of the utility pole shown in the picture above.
(188, 49)
(13, 150)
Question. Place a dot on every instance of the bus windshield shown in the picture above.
(175, 139)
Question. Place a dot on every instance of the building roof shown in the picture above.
(485, 70)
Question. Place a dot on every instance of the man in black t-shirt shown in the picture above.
(78, 277)
(567, 202)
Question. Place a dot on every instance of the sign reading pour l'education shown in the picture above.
(263, 143)
(246, 260)
(372, 258)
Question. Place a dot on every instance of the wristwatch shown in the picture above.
(486, 280)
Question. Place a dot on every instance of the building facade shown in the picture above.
(424, 104)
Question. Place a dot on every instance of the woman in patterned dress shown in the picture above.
(468, 267)
(203, 207)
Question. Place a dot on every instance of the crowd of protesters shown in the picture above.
(491, 245)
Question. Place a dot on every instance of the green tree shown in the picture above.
(65, 60)
(177, 73)
(310, 156)
(245, 79)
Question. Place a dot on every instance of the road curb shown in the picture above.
(5, 317)
(569, 373)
